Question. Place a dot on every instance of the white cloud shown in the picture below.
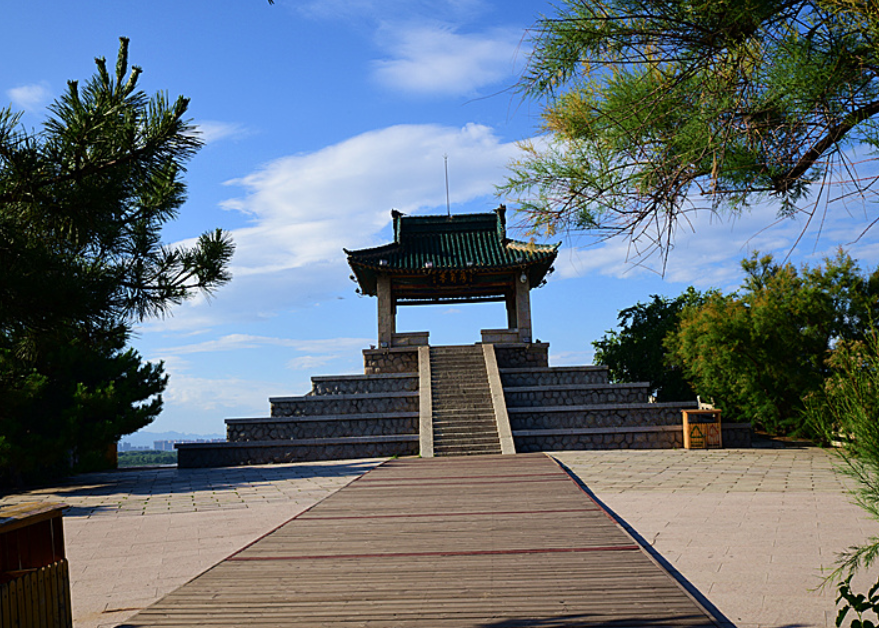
(236, 342)
(308, 362)
(30, 97)
(436, 59)
(306, 208)
(210, 131)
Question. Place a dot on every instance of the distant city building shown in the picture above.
(126, 446)
(168, 445)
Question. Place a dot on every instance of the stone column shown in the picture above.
(512, 323)
(523, 307)
(387, 323)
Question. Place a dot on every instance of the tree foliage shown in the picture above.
(636, 353)
(82, 204)
(653, 109)
(760, 350)
(846, 410)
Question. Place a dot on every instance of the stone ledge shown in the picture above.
(355, 378)
(617, 430)
(602, 406)
(520, 345)
(554, 369)
(301, 441)
(560, 387)
(344, 397)
(375, 416)
(382, 350)
(597, 430)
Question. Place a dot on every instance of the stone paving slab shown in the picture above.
(132, 537)
(753, 530)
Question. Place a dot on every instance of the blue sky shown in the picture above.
(320, 117)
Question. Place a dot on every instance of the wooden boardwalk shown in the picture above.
(488, 541)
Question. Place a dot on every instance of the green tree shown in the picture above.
(653, 109)
(636, 353)
(846, 410)
(759, 351)
(82, 204)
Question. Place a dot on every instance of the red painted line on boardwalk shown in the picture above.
(461, 477)
(547, 550)
(299, 514)
(461, 481)
(453, 514)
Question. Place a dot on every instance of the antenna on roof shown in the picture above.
(448, 206)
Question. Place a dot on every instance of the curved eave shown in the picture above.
(367, 271)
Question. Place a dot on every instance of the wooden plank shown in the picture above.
(481, 541)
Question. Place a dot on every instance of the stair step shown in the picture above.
(463, 414)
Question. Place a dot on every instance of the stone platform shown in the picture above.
(386, 411)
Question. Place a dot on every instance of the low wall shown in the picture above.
(199, 455)
(737, 435)
(596, 416)
(344, 404)
(554, 376)
(394, 360)
(364, 384)
(522, 355)
(263, 429)
(658, 437)
(575, 395)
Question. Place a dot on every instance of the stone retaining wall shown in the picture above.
(397, 360)
(364, 384)
(664, 437)
(344, 404)
(592, 394)
(198, 455)
(246, 430)
(604, 416)
(617, 439)
(522, 355)
(554, 376)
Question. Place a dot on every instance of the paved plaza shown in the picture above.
(748, 530)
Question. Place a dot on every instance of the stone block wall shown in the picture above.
(364, 384)
(557, 441)
(246, 430)
(590, 394)
(395, 360)
(554, 376)
(597, 416)
(344, 404)
(668, 437)
(198, 455)
(520, 355)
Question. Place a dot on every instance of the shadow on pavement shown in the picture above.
(171, 480)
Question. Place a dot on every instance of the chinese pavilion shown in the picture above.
(465, 258)
(497, 396)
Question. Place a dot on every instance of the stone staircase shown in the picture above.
(453, 401)
(463, 416)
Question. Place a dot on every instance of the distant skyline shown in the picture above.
(319, 117)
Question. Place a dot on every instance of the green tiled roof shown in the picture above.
(426, 244)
